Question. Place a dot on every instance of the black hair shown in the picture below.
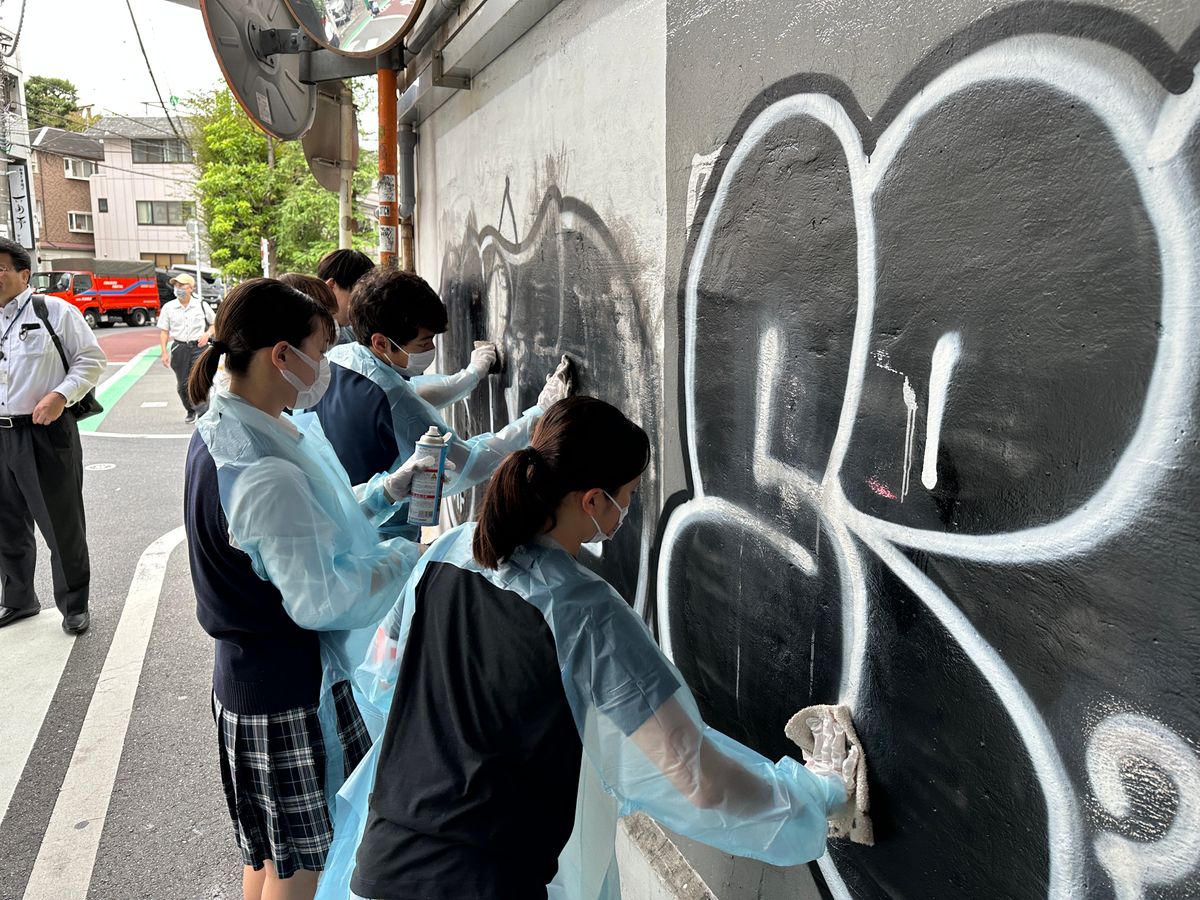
(395, 303)
(344, 267)
(314, 287)
(581, 443)
(257, 313)
(20, 256)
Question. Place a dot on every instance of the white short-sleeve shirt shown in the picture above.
(185, 324)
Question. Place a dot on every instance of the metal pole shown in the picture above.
(346, 193)
(199, 278)
(388, 244)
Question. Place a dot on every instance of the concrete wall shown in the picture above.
(552, 243)
(123, 183)
(908, 294)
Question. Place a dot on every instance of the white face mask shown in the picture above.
(308, 395)
(600, 535)
(417, 362)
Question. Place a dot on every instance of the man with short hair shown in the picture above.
(41, 459)
(341, 269)
(372, 414)
(189, 326)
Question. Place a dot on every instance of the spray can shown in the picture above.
(425, 505)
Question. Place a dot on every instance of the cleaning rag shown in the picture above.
(853, 820)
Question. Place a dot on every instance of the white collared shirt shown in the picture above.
(31, 367)
(185, 324)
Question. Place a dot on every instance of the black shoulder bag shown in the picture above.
(88, 405)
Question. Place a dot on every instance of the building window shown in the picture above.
(102, 204)
(165, 260)
(81, 169)
(80, 221)
(170, 150)
(164, 212)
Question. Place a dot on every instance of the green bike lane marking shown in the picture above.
(112, 391)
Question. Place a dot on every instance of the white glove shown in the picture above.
(483, 357)
(829, 755)
(398, 485)
(558, 385)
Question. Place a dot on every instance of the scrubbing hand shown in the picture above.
(830, 755)
(559, 385)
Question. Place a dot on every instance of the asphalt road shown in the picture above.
(109, 787)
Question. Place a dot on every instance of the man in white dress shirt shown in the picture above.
(41, 460)
(188, 324)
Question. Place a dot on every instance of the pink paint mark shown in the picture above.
(881, 489)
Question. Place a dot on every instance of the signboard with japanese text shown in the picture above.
(20, 205)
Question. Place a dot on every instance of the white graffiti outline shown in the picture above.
(1150, 128)
(1136, 865)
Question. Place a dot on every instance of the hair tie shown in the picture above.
(219, 346)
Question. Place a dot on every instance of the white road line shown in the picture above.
(33, 655)
(122, 434)
(63, 870)
(125, 368)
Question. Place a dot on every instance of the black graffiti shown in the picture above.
(566, 287)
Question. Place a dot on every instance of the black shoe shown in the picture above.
(190, 418)
(77, 623)
(8, 616)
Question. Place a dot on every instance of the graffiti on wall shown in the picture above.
(939, 386)
(565, 286)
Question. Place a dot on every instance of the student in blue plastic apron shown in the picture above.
(529, 706)
(373, 413)
(290, 577)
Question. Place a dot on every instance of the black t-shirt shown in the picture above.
(479, 767)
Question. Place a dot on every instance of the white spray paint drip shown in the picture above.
(737, 677)
(910, 434)
(1136, 865)
(945, 358)
(812, 658)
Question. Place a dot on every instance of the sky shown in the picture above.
(92, 44)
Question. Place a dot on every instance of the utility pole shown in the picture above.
(388, 244)
(268, 241)
(346, 172)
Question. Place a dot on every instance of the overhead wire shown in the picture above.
(137, 31)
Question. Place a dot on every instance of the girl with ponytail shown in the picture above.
(290, 579)
(528, 706)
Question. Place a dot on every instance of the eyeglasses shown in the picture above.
(4, 270)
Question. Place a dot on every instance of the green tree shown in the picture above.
(244, 198)
(54, 102)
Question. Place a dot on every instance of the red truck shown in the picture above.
(104, 290)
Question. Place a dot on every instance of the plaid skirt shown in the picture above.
(273, 770)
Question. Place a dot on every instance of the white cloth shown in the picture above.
(185, 323)
(31, 368)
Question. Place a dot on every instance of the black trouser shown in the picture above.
(41, 479)
(183, 357)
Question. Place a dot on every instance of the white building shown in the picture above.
(144, 192)
(14, 128)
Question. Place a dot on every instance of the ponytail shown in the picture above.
(517, 504)
(581, 443)
(204, 372)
